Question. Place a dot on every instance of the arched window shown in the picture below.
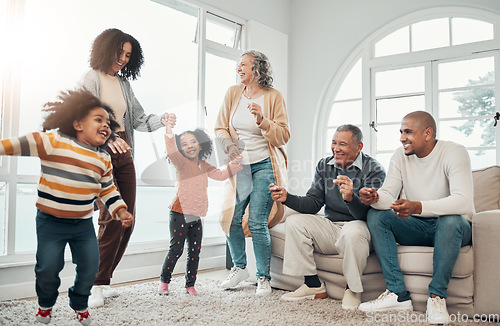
(443, 61)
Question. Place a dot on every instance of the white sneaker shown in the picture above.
(83, 317)
(109, 292)
(263, 286)
(234, 278)
(44, 315)
(96, 298)
(436, 311)
(385, 302)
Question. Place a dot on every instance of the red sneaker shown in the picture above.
(83, 317)
(163, 288)
(43, 315)
(191, 290)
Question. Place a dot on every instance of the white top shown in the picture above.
(442, 181)
(252, 145)
(112, 95)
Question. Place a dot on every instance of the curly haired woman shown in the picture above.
(115, 58)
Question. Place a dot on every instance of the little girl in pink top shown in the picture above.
(187, 152)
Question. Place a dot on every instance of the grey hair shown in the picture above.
(261, 68)
(357, 134)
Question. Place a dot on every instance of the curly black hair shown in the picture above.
(203, 139)
(73, 106)
(108, 45)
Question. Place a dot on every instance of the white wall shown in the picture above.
(274, 45)
(322, 35)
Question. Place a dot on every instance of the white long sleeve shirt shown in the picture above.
(442, 181)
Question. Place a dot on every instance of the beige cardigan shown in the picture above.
(274, 128)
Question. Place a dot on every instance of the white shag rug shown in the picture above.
(139, 304)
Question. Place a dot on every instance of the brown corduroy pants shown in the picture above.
(112, 237)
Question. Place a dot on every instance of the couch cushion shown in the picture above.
(486, 188)
(415, 260)
(277, 233)
(333, 263)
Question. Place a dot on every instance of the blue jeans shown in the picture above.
(447, 234)
(252, 190)
(52, 235)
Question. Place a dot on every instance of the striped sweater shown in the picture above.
(73, 174)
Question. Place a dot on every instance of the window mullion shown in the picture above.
(202, 24)
(450, 31)
(497, 91)
(431, 88)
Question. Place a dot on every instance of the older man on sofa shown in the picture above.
(343, 229)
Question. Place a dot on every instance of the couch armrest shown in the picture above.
(486, 244)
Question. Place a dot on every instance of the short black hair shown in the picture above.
(424, 119)
(74, 105)
(109, 44)
(203, 139)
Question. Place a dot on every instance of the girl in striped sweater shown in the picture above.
(75, 171)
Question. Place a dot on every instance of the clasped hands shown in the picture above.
(125, 217)
(121, 146)
(234, 164)
(402, 208)
(169, 120)
(234, 155)
(345, 184)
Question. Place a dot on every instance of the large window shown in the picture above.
(190, 61)
(445, 64)
(2, 215)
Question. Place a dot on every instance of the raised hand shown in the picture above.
(256, 110)
(345, 187)
(169, 120)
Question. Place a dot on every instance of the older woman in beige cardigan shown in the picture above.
(253, 122)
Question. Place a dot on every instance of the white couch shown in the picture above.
(475, 284)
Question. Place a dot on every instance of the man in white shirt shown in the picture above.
(425, 196)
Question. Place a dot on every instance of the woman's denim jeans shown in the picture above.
(53, 234)
(447, 234)
(252, 190)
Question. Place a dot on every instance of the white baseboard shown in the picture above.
(17, 281)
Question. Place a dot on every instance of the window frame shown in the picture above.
(10, 100)
(366, 52)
